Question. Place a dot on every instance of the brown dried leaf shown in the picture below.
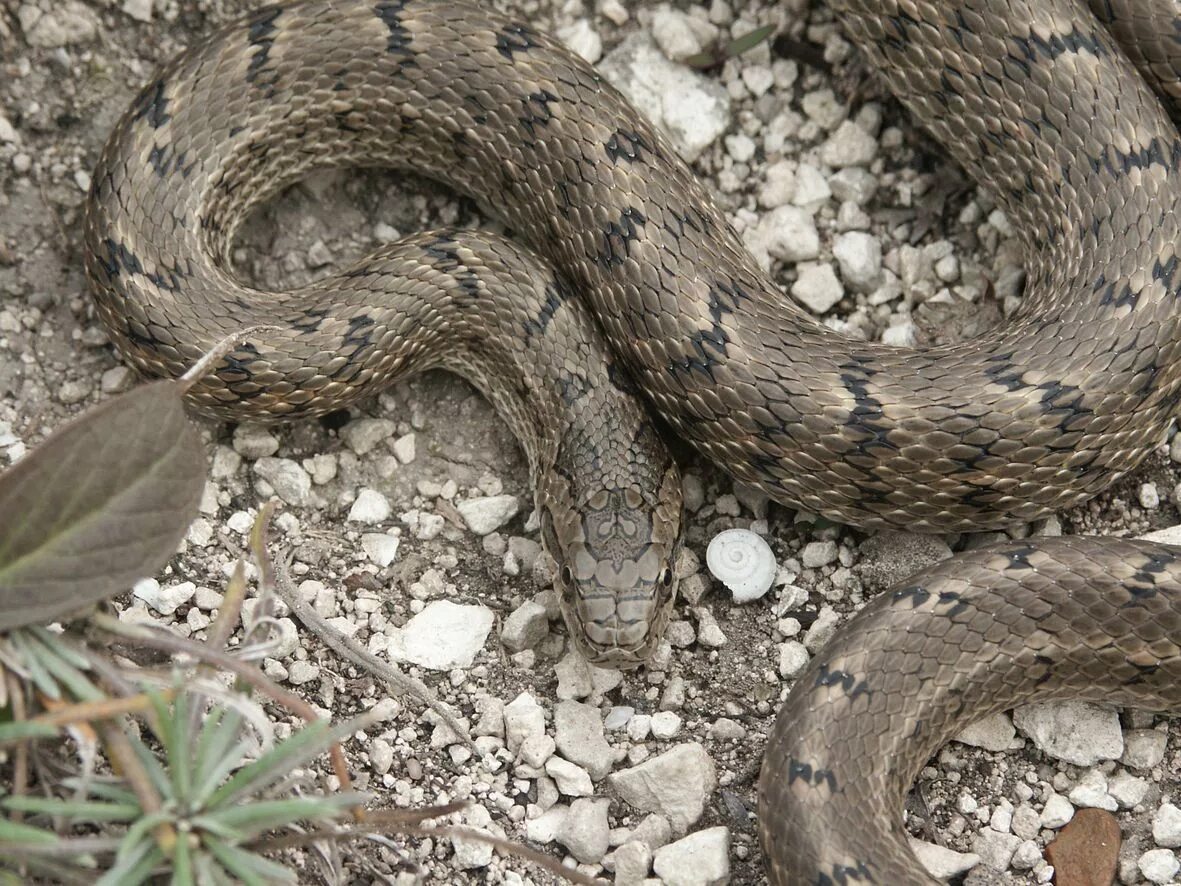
(101, 503)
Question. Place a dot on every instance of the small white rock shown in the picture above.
(1166, 826)
(140, 10)
(817, 287)
(1091, 791)
(675, 784)
(850, 145)
(525, 627)
(164, 600)
(290, 481)
(370, 507)
(379, 547)
(572, 780)
(995, 849)
(993, 733)
(940, 862)
(363, 435)
(523, 719)
(1159, 865)
(700, 859)
(443, 636)
(665, 725)
(1057, 812)
(253, 441)
(859, 257)
(488, 513)
(793, 658)
(581, 37)
(1077, 732)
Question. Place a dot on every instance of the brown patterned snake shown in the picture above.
(1032, 97)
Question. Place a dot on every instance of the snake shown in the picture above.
(625, 293)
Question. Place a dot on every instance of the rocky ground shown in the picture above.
(410, 519)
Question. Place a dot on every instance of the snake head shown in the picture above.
(616, 549)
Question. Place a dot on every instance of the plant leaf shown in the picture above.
(104, 501)
(247, 867)
(22, 730)
(306, 744)
(16, 832)
(251, 818)
(75, 810)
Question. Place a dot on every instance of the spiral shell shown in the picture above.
(743, 562)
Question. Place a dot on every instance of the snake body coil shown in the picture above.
(1032, 96)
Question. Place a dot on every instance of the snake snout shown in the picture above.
(618, 618)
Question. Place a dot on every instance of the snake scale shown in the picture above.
(1033, 97)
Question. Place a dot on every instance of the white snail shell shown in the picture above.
(743, 562)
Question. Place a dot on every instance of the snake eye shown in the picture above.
(666, 577)
(567, 576)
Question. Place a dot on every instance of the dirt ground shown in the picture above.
(55, 361)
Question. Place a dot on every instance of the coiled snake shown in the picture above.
(1032, 96)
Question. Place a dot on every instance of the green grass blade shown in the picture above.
(182, 862)
(152, 765)
(218, 753)
(103, 790)
(138, 835)
(133, 868)
(63, 670)
(29, 655)
(248, 867)
(308, 743)
(251, 819)
(171, 725)
(17, 832)
(74, 810)
(21, 730)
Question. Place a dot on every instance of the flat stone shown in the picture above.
(380, 548)
(700, 859)
(694, 110)
(817, 287)
(859, 258)
(525, 627)
(1077, 732)
(994, 848)
(165, 600)
(1091, 792)
(578, 729)
(369, 507)
(471, 854)
(1159, 865)
(572, 780)
(70, 22)
(254, 441)
(363, 435)
(993, 733)
(675, 784)
(633, 861)
(488, 513)
(585, 829)
(523, 719)
(575, 677)
(1057, 812)
(1086, 851)
(850, 145)
(443, 636)
(1166, 826)
(787, 233)
(1144, 748)
(942, 863)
